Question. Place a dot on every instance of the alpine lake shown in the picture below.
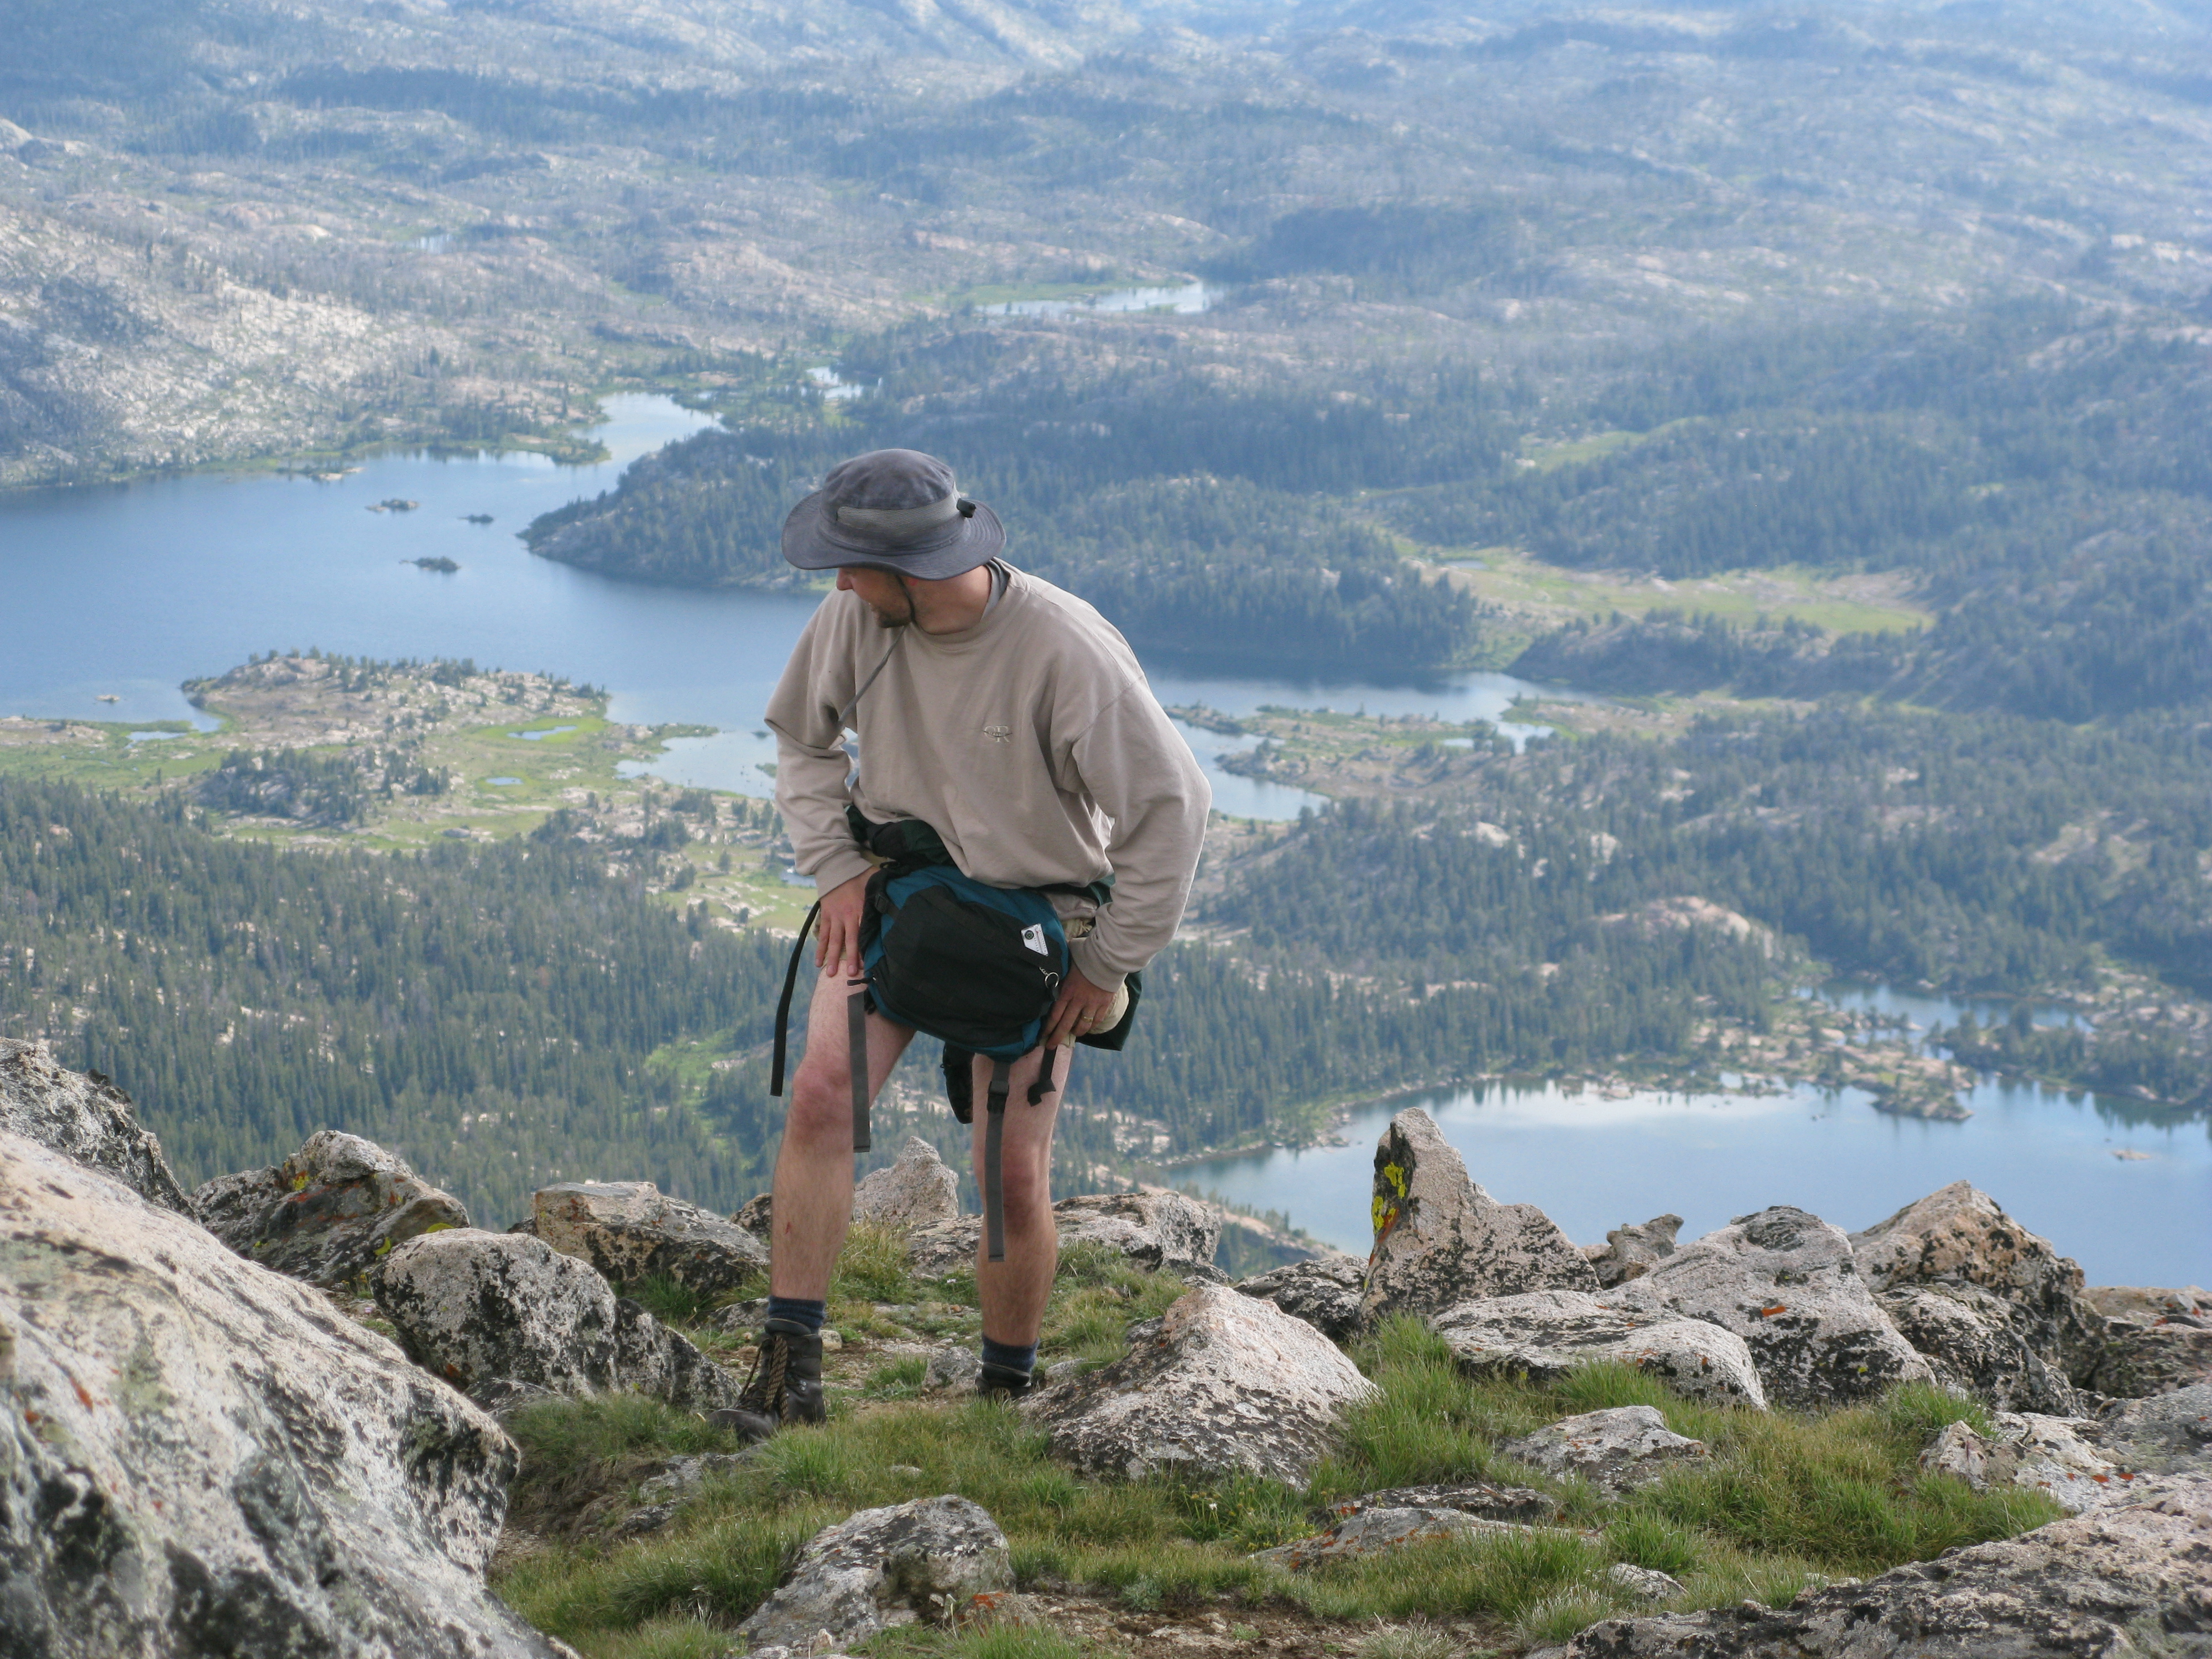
(117, 595)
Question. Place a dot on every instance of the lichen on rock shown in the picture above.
(328, 1213)
(1326, 1291)
(1784, 1281)
(1225, 1385)
(1544, 1334)
(1959, 1235)
(631, 1230)
(916, 1189)
(83, 1116)
(1441, 1239)
(1616, 1450)
(895, 1566)
(481, 1310)
(202, 1457)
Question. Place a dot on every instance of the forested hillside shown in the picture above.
(2032, 469)
(498, 1011)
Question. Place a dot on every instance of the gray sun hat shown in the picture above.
(892, 509)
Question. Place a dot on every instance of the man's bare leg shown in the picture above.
(1012, 1292)
(814, 1169)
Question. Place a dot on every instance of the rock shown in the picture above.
(2139, 1357)
(662, 1490)
(1784, 1281)
(1645, 1583)
(1440, 1239)
(1960, 1234)
(2165, 1434)
(1615, 1450)
(1228, 1385)
(1003, 1609)
(1156, 1229)
(918, 1190)
(2143, 1303)
(631, 1230)
(2043, 1454)
(756, 1215)
(1966, 1335)
(884, 1567)
(2123, 1579)
(954, 1366)
(503, 1396)
(1522, 1506)
(1547, 1334)
(83, 1116)
(329, 1212)
(1629, 1252)
(1373, 1531)
(205, 1457)
(680, 1478)
(1325, 1292)
(650, 1519)
(479, 1309)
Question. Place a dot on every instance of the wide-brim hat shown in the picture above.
(892, 509)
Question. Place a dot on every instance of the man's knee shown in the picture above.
(1025, 1185)
(821, 1109)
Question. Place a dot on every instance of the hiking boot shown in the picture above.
(997, 1383)
(785, 1385)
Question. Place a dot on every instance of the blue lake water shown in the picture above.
(1592, 1163)
(124, 593)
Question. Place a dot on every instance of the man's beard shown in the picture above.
(885, 619)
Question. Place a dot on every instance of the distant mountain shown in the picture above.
(232, 227)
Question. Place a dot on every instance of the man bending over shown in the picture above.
(1013, 720)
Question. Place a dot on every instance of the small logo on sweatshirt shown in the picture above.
(999, 733)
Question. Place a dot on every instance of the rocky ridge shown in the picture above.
(1228, 1382)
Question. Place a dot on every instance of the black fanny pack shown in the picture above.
(976, 966)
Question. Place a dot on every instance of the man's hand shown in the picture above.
(837, 929)
(1080, 1011)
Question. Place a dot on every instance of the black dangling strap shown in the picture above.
(856, 1059)
(1043, 1086)
(783, 1006)
(994, 1195)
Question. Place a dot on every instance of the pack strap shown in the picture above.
(995, 1125)
(783, 1003)
(856, 1059)
(856, 1035)
(995, 1190)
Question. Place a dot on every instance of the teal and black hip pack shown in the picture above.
(976, 966)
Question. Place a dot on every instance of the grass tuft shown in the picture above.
(1503, 1574)
(1417, 1639)
(1645, 1540)
(872, 1266)
(669, 1300)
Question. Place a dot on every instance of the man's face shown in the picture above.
(882, 592)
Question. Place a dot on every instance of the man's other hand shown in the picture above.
(1081, 1010)
(837, 929)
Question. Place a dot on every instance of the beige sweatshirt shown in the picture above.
(1029, 742)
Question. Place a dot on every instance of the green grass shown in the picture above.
(1510, 576)
(1784, 1500)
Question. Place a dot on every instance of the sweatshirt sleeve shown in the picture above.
(1141, 773)
(810, 761)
